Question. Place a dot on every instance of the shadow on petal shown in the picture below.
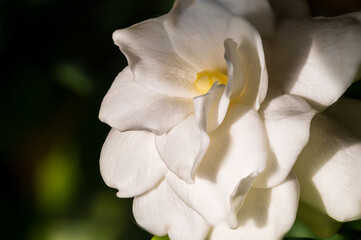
(328, 170)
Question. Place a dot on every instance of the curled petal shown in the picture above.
(211, 108)
(130, 106)
(329, 170)
(206, 26)
(307, 61)
(130, 163)
(161, 212)
(153, 61)
(236, 155)
(265, 214)
(182, 148)
(287, 119)
(236, 68)
(247, 81)
(248, 78)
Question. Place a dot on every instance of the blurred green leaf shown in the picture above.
(336, 237)
(105, 206)
(73, 78)
(300, 230)
(319, 223)
(355, 225)
(160, 238)
(73, 229)
(57, 178)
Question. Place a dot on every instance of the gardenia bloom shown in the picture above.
(215, 108)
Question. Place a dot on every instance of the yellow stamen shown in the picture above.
(206, 79)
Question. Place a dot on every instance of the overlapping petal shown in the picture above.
(130, 163)
(227, 155)
(329, 170)
(287, 119)
(211, 108)
(161, 212)
(247, 70)
(206, 25)
(247, 82)
(182, 148)
(265, 214)
(130, 106)
(236, 155)
(317, 59)
(153, 61)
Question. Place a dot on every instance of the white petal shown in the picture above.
(236, 67)
(329, 170)
(307, 59)
(265, 214)
(247, 72)
(182, 148)
(247, 82)
(197, 31)
(236, 155)
(130, 163)
(153, 60)
(161, 212)
(130, 106)
(257, 12)
(211, 108)
(347, 111)
(287, 119)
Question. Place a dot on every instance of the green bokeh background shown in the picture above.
(57, 62)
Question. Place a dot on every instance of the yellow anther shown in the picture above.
(206, 79)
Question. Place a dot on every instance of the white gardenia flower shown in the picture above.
(215, 108)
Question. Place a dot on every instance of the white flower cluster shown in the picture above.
(221, 123)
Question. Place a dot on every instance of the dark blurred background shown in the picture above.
(57, 61)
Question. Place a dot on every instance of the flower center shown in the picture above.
(206, 79)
